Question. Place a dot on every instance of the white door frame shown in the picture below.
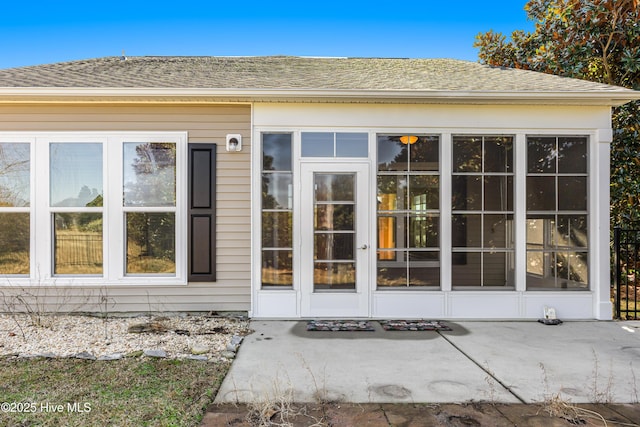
(326, 303)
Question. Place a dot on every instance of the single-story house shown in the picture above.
(292, 187)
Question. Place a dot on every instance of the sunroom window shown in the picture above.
(482, 212)
(15, 207)
(408, 211)
(557, 216)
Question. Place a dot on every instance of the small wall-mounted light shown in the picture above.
(234, 142)
(409, 139)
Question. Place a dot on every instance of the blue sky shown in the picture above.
(37, 32)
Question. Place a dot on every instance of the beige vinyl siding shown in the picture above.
(204, 124)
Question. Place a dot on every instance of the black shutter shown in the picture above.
(202, 212)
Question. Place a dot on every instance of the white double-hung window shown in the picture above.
(93, 207)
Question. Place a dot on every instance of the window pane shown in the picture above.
(498, 193)
(276, 230)
(539, 230)
(14, 174)
(335, 187)
(572, 155)
(425, 154)
(386, 232)
(498, 231)
(150, 242)
(317, 144)
(468, 273)
(541, 193)
(334, 217)
(277, 190)
(14, 243)
(276, 151)
(149, 174)
(78, 243)
(424, 192)
(571, 231)
(392, 269)
(392, 192)
(352, 145)
(277, 268)
(541, 155)
(466, 192)
(466, 231)
(572, 193)
(467, 154)
(498, 269)
(424, 231)
(76, 174)
(393, 155)
(498, 154)
(424, 268)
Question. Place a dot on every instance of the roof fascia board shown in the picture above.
(206, 95)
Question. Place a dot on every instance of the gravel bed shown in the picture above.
(67, 336)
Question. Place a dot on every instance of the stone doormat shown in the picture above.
(414, 325)
(339, 325)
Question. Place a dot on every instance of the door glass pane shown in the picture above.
(334, 217)
(76, 174)
(334, 231)
(14, 174)
(151, 243)
(335, 187)
(78, 243)
(149, 174)
(277, 229)
(14, 243)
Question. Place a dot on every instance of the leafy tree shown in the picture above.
(596, 40)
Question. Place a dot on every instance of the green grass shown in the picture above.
(128, 392)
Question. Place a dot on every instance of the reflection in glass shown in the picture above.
(334, 217)
(541, 193)
(317, 144)
(76, 174)
(498, 193)
(352, 145)
(334, 246)
(498, 269)
(150, 242)
(572, 155)
(277, 268)
(335, 187)
(467, 154)
(276, 151)
(466, 231)
(541, 154)
(78, 243)
(424, 231)
(277, 190)
(393, 155)
(149, 174)
(466, 192)
(276, 230)
(14, 243)
(468, 273)
(424, 192)
(571, 231)
(424, 268)
(14, 174)
(498, 154)
(334, 276)
(498, 231)
(572, 193)
(392, 192)
(424, 154)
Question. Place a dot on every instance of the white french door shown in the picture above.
(335, 241)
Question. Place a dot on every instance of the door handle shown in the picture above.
(363, 247)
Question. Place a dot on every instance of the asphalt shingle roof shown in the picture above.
(292, 73)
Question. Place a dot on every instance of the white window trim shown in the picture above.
(114, 256)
